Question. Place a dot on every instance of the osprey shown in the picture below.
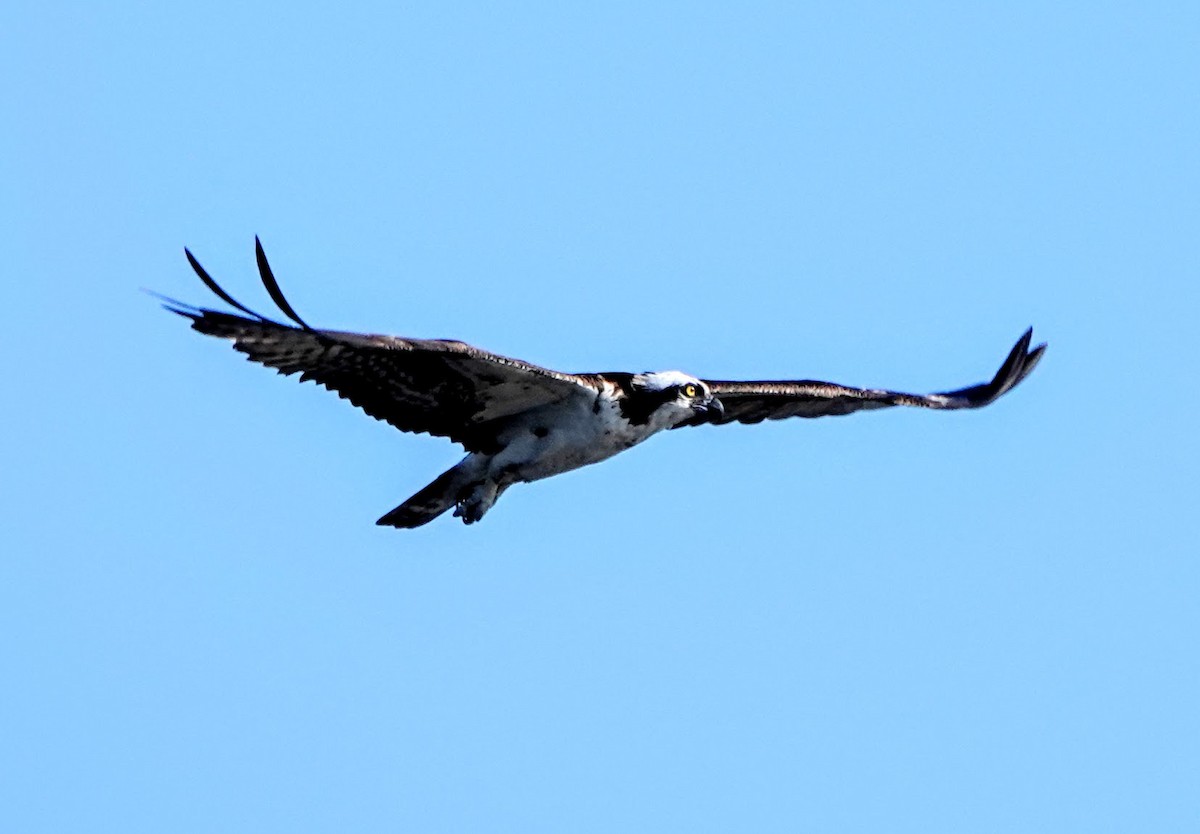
(519, 422)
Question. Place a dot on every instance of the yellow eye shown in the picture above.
(690, 390)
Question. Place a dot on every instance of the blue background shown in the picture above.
(897, 621)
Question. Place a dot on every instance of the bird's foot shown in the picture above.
(469, 511)
(473, 504)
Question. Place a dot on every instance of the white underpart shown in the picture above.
(577, 432)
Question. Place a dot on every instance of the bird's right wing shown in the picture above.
(441, 387)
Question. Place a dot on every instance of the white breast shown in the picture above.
(566, 436)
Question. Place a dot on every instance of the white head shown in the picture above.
(662, 380)
(669, 398)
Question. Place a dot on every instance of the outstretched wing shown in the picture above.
(445, 388)
(753, 402)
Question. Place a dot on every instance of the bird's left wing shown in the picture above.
(442, 387)
(753, 402)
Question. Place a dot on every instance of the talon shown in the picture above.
(468, 511)
(474, 503)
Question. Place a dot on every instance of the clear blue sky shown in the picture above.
(897, 621)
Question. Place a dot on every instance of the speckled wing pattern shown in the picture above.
(440, 387)
(753, 402)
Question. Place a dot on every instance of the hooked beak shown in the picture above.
(712, 410)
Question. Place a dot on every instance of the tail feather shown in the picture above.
(430, 502)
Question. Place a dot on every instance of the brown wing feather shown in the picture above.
(753, 402)
(440, 387)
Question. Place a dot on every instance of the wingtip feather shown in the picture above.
(268, 279)
(217, 290)
(1032, 360)
(1019, 364)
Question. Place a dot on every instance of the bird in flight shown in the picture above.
(519, 422)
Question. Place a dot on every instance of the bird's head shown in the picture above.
(673, 397)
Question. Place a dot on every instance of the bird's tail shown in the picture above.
(433, 500)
